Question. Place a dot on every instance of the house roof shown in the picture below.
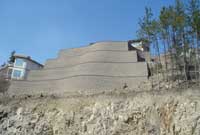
(26, 57)
(140, 44)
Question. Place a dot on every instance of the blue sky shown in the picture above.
(40, 28)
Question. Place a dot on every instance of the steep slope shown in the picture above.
(116, 113)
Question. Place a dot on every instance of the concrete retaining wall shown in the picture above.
(75, 84)
(110, 69)
(113, 46)
(93, 56)
(98, 67)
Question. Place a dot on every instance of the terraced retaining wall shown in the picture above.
(100, 66)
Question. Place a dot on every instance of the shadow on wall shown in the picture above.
(4, 85)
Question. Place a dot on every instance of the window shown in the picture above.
(17, 73)
(19, 62)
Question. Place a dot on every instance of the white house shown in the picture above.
(20, 68)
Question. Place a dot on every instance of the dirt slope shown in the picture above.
(122, 112)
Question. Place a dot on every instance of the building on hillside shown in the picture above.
(142, 49)
(20, 68)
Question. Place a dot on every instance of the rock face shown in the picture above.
(101, 66)
(105, 114)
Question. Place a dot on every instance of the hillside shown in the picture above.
(120, 112)
(101, 89)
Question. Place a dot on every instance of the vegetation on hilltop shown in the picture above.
(174, 38)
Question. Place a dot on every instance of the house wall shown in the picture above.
(25, 68)
(32, 66)
(23, 73)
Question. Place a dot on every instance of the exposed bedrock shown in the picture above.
(170, 113)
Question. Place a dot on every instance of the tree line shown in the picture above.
(174, 39)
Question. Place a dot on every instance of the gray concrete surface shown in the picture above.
(98, 67)
(113, 46)
(85, 84)
(110, 69)
(98, 56)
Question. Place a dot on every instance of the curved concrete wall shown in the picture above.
(94, 56)
(116, 51)
(101, 66)
(110, 69)
(74, 85)
(109, 46)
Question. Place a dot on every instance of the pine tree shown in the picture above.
(194, 22)
(11, 58)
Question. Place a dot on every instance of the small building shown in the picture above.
(20, 68)
(142, 49)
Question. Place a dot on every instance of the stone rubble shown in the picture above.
(144, 114)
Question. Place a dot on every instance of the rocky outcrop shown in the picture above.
(116, 113)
